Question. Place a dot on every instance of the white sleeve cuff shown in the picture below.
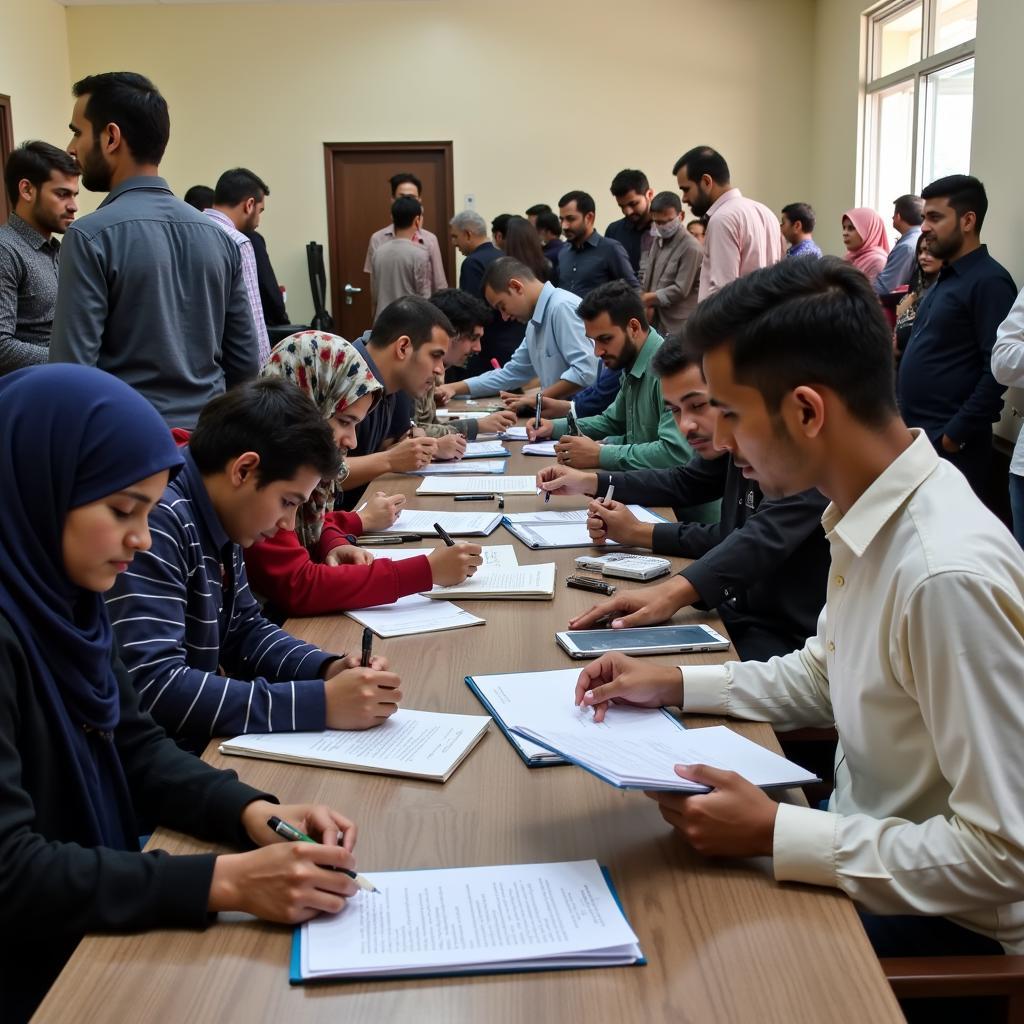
(705, 688)
(804, 846)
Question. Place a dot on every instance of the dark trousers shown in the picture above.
(974, 461)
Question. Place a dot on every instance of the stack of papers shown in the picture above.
(514, 434)
(485, 449)
(477, 466)
(479, 920)
(495, 556)
(482, 484)
(529, 582)
(545, 448)
(457, 524)
(414, 614)
(462, 414)
(418, 744)
(563, 529)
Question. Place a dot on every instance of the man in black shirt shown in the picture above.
(763, 567)
(633, 193)
(589, 259)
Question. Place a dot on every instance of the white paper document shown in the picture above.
(466, 920)
(479, 449)
(420, 744)
(461, 414)
(523, 582)
(457, 524)
(448, 468)
(514, 434)
(480, 485)
(545, 448)
(414, 614)
(567, 529)
(495, 556)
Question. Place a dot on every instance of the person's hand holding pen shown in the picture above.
(577, 451)
(538, 429)
(452, 563)
(411, 453)
(358, 696)
(563, 480)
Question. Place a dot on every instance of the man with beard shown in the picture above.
(589, 259)
(150, 289)
(763, 566)
(945, 381)
(742, 234)
(41, 183)
(633, 193)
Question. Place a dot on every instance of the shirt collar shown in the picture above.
(152, 182)
(966, 263)
(646, 354)
(202, 507)
(360, 344)
(594, 240)
(542, 304)
(726, 197)
(883, 499)
(29, 233)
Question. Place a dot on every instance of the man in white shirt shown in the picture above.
(917, 658)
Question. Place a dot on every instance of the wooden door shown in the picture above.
(359, 203)
(6, 148)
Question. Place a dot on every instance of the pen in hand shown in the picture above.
(443, 534)
(367, 647)
(536, 417)
(293, 835)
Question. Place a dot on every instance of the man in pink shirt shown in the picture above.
(742, 234)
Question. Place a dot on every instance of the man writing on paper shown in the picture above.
(762, 567)
(555, 348)
(917, 656)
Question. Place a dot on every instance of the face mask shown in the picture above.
(669, 229)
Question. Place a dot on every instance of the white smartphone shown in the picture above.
(592, 643)
(630, 567)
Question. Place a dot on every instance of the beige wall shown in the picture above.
(537, 97)
(34, 68)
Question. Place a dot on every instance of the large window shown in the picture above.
(919, 96)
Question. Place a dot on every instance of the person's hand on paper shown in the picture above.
(541, 433)
(318, 821)
(519, 404)
(619, 679)
(736, 819)
(613, 521)
(381, 511)
(647, 607)
(357, 697)
(564, 480)
(348, 554)
(578, 452)
(451, 446)
(451, 565)
(411, 453)
(496, 422)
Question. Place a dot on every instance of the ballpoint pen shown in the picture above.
(367, 653)
(536, 415)
(443, 534)
(293, 835)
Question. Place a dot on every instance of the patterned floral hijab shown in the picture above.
(335, 376)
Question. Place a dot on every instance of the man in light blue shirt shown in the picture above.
(555, 348)
(907, 215)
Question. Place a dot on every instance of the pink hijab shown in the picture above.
(871, 256)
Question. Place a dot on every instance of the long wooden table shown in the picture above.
(724, 941)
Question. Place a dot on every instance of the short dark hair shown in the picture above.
(666, 201)
(237, 185)
(963, 192)
(616, 298)
(703, 160)
(523, 243)
(412, 316)
(199, 196)
(537, 209)
(134, 104)
(405, 178)
(549, 222)
(272, 417)
(674, 356)
(584, 201)
(35, 161)
(802, 212)
(629, 181)
(500, 223)
(404, 210)
(910, 208)
(815, 322)
(502, 270)
(464, 310)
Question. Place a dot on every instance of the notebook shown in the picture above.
(457, 524)
(541, 530)
(495, 556)
(486, 449)
(448, 468)
(524, 583)
(418, 744)
(414, 614)
(479, 485)
(514, 434)
(545, 448)
(475, 920)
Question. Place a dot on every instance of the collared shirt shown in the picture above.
(28, 293)
(555, 347)
(425, 414)
(899, 265)
(423, 237)
(250, 276)
(742, 235)
(917, 662)
(805, 247)
(552, 250)
(151, 291)
(271, 296)
(672, 272)
(636, 239)
(1008, 366)
(390, 418)
(401, 267)
(598, 396)
(199, 651)
(637, 428)
(945, 382)
(597, 261)
(501, 337)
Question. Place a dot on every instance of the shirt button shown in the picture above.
(831, 647)
(840, 581)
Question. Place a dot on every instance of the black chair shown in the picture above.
(322, 320)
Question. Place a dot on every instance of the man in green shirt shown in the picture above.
(637, 431)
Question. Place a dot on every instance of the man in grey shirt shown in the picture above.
(42, 184)
(399, 266)
(150, 290)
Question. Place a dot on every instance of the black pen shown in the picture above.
(474, 497)
(536, 418)
(367, 647)
(443, 534)
(293, 835)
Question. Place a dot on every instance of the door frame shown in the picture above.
(6, 148)
(333, 246)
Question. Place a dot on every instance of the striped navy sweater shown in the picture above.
(203, 658)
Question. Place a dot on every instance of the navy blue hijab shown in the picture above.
(70, 435)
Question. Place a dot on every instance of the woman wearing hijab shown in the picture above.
(867, 244)
(315, 569)
(83, 458)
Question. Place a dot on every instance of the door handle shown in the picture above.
(349, 291)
